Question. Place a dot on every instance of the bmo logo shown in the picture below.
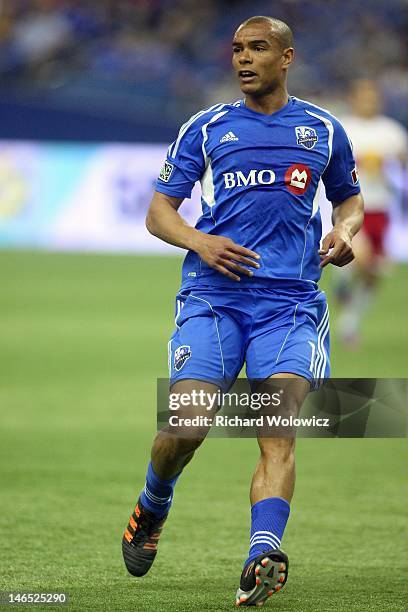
(297, 178)
(254, 177)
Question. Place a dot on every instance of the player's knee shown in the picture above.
(176, 446)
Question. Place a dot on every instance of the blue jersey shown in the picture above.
(259, 178)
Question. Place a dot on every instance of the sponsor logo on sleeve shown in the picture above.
(297, 178)
(181, 354)
(354, 175)
(306, 136)
(166, 171)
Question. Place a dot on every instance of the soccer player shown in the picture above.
(249, 290)
(378, 142)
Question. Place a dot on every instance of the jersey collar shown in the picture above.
(264, 116)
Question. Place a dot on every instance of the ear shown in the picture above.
(288, 56)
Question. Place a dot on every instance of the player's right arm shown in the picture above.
(164, 221)
(185, 165)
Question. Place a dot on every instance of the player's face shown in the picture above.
(258, 59)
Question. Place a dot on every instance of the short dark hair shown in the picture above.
(281, 30)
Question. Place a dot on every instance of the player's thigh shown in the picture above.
(299, 344)
(207, 345)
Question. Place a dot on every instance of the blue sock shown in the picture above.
(269, 518)
(157, 494)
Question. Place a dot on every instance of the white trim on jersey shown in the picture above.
(320, 108)
(208, 188)
(315, 204)
(204, 131)
(330, 129)
(207, 181)
(315, 208)
(184, 128)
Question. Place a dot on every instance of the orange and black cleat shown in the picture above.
(262, 577)
(140, 540)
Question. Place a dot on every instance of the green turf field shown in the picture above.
(83, 339)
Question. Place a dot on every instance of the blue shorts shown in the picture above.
(284, 328)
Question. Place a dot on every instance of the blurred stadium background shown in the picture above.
(91, 92)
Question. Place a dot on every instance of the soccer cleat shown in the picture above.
(262, 577)
(139, 543)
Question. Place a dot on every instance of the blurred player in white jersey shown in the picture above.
(377, 141)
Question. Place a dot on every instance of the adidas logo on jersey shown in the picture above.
(228, 137)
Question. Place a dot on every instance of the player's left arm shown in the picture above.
(348, 218)
(340, 179)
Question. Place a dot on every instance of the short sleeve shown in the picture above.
(185, 163)
(340, 177)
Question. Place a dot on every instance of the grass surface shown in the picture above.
(83, 339)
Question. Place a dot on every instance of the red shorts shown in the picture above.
(375, 227)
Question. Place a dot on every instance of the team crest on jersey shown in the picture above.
(166, 171)
(306, 136)
(181, 354)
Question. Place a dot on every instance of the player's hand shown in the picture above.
(336, 248)
(223, 255)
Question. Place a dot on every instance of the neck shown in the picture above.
(268, 103)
